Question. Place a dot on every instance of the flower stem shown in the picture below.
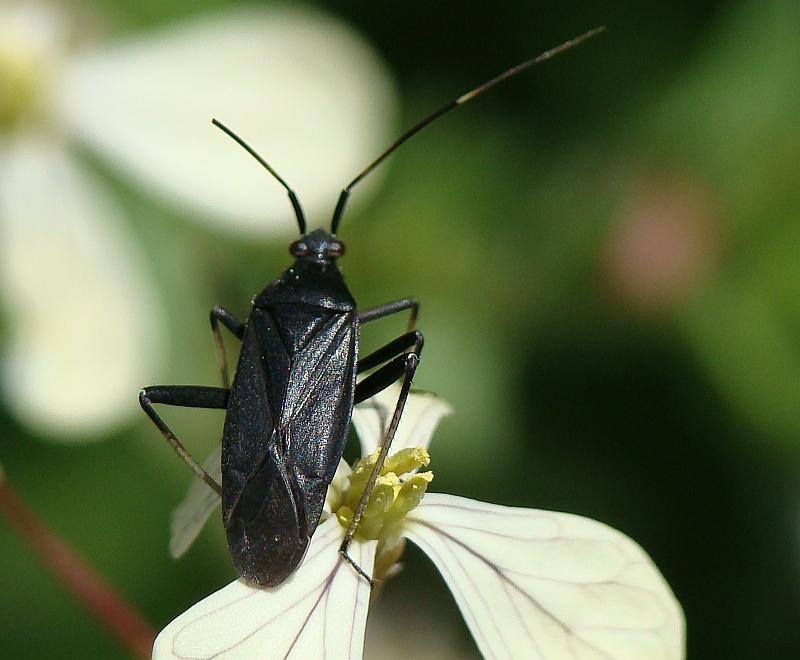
(83, 582)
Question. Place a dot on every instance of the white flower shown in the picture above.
(529, 583)
(84, 324)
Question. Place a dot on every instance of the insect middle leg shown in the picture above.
(402, 366)
(190, 396)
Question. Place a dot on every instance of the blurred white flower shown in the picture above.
(83, 319)
(529, 583)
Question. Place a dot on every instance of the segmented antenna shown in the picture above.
(461, 100)
(298, 210)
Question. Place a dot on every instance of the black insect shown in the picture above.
(290, 402)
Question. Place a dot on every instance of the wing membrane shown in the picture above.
(191, 515)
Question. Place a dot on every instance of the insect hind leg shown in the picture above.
(345, 555)
(190, 396)
(404, 366)
(368, 387)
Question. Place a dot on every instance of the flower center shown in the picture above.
(396, 492)
(23, 74)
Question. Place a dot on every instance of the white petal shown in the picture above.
(83, 329)
(319, 612)
(421, 416)
(339, 483)
(191, 515)
(302, 88)
(539, 584)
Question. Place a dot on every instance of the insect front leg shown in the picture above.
(189, 396)
(237, 328)
(389, 308)
(403, 366)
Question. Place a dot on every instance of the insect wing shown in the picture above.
(320, 612)
(540, 584)
(288, 415)
(191, 515)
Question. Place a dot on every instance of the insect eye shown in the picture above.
(336, 249)
(298, 249)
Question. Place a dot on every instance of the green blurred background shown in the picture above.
(606, 251)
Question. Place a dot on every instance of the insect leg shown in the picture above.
(395, 347)
(402, 366)
(235, 326)
(190, 396)
(393, 307)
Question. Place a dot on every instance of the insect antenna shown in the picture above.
(298, 210)
(461, 100)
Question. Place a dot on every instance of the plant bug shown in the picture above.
(295, 385)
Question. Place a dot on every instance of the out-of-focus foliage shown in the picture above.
(605, 251)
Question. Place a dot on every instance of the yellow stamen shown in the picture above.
(391, 498)
(22, 78)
